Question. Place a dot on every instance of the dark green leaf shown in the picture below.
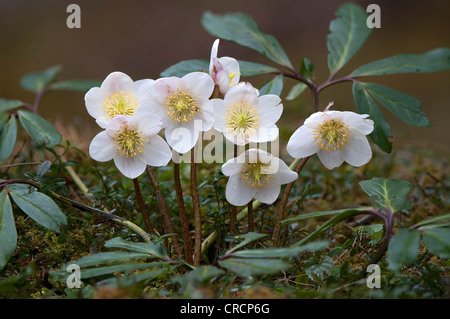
(156, 250)
(41, 131)
(366, 105)
(403, 248)
(281, 252)
(324, 213)
(434, 220)
(404, 106)
(247, 239)
(109, 257)
(7, 105)
(317, 268)
(8, 234)
(275, 86)
(250, 267)
(307, 68)
(182, 68)
(348, 32)
(8, 139)
(43, 168)
(243, 30)
(38, 206)
(100, 271)
(389, 193)
(75, 85)
(252, 68)
(431, 61)
(296, 90)
(36, 81)
(437, 241)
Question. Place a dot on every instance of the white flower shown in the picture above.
(243, 116)
(256, 174)
(133, 143)
(335, 136)
(118, 95)
(224, 71)
(185, 109)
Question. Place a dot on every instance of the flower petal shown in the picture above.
(331, 159)
(200, 83)
(163, 87)
(130, 167)
(143, 92)
(358, 123)
(101, 148)
(269, 194)
(301, 144)
(94, 99)
(264, 134)
(284, 175)
(156, 152)
(118, 81)
(357, 152)
(237, 192)
(242, 93)
(182, 137)
(269, 109)
(231, 167)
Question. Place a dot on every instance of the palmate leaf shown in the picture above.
(388, 193)
(403, 248)
(382, 131)
(243, 30)
(404, 106)
(36, 81)
(348, 32)
(41, 208)
(431, 61)
(8, 233)
(8, 138)
(40, 130)
(187, 66)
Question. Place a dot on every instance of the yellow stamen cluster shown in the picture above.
(331, 135)
(232, 75)
(252, 174)
(181, 106)
(242, 118)
(120, 103)
(128, 141)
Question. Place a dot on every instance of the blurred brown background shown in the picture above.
(142, 38)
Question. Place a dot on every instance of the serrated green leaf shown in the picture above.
(149, 248)
(403, 248)
(8, 139)
(389, 193)
(348, 32)
(404, 106)
(41, 131)
(251, 267)
(7, 105)
(275, 86)
(41, 208)
(8, 233)
(437, 241)
(366, 105)
(36, 81)
(243, 30)
(75, 85)
(431, 61)
(316, 269)
(296, 90)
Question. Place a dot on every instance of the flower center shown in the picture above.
(331, 135)
(242, 118)
(253, 175)
(120, 103)
(129, 142)
(181, 106)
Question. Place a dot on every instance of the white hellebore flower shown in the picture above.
(183, 105)
(256, 174)
(335, 136)
(133, 143)
(243, 116)
(118, 95)
(224, 71)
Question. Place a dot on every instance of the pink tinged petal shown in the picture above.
(94, 99)
(118, 81)
(143, 92)
(183, 137)
(214, 49)
(331, 159)
(237, 192)
(242, 93)
(220, 75)
(164, 87)
(130, 167)
(147, 123)
(232, 66)
(269, 109)
(302, 144)
(101, 148)
(269, 194)
(200, 83)
(156, 152)
(284, 175)
(357, 152)
(264, 134)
